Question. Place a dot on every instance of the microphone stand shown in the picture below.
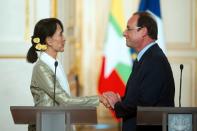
(181, 68)
(56, 63)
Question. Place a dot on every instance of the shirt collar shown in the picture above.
(50, 61)
(140, 54)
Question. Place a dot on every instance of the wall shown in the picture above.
(19, 17)
(17, 21)
(180, 24)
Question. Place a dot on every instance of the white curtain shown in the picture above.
(94, 22)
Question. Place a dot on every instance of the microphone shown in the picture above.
(55, 64)
(77, 84)
(181, 68)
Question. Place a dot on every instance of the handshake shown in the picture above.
(109, 99)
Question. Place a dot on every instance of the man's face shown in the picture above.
(132, 32)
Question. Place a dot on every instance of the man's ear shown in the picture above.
(144, 31)
(49, 41)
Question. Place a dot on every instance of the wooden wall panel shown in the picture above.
(179, 23)
(188, 80)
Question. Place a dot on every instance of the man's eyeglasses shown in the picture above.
(136, 28)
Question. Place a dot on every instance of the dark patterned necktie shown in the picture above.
(135, 64)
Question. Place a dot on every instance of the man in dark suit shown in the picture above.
(151, 82)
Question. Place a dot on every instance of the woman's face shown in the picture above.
(57, 40)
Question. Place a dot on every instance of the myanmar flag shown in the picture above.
(116, 59)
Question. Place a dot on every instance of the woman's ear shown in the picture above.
(49, 41)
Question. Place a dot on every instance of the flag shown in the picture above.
(153, 7)
(116, 59)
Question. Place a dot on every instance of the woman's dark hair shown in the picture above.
(146, 20)
(43, 29)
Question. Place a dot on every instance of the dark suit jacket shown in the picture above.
(151, 83)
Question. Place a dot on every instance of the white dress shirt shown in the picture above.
(140, 54)
(61, 77)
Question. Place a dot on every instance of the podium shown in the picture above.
(54, 118)
(170, 118)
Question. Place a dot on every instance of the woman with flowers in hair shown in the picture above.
(48, 39)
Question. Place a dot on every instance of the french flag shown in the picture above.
(153, 7)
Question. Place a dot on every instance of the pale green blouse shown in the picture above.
(42, 87)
